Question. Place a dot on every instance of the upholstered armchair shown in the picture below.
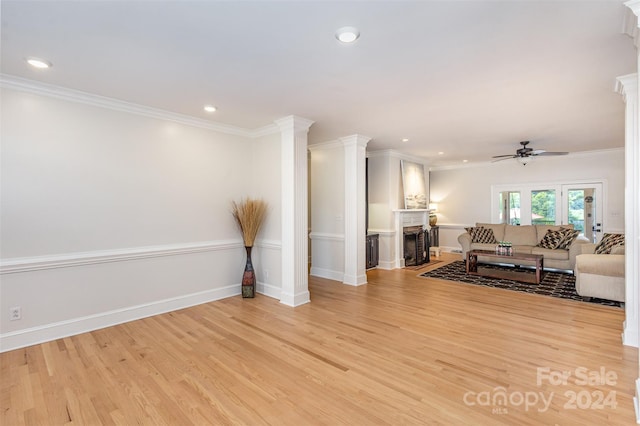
(600, 275)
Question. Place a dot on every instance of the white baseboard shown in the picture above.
(450, 249)
(386, 265)
(635, 401)
(32, 336)
(268, 290)
(629, 335)
(326, 273)
(355, 280)
(294, 300)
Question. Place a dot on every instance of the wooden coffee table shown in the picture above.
(472, 265)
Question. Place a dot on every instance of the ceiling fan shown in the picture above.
(524, 155)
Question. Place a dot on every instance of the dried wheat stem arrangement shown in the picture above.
(249, 215)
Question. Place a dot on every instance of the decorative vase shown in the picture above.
(249, 277)
(433, 219)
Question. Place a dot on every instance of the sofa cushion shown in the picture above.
(551, 254)
(568, 237)
(608, 242)
(497, 228)
(524, 235)
(482, 235)
(552, 239)
(522, 249)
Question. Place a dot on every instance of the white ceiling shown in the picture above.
(470, 79)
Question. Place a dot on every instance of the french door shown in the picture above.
(580, 204)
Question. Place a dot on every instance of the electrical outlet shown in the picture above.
(15, 313)
(265, 273)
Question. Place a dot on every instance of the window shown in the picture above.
(543, 207)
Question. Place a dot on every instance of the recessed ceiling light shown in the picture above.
(347, 34)
(210, 108)
(465, 161)
(440, 153)
(405, 140)
(38, 63)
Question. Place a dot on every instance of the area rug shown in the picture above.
(554, 284)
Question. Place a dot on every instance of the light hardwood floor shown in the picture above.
(400, 350)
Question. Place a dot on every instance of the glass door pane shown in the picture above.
(510, 207)
(576, 213)
(543, 207)
(582, 207)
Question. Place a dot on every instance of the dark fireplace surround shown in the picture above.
(415, 245)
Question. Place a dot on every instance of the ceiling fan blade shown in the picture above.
(552, 153)
(537, 151)
(505, 156)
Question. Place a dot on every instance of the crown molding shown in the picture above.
(627, 85)
(396, 154)
(295, 123)
(634, 5)
(630, 26)
(356, 139)
(77, 96)
(325, 145)
(269, 129)
(630, 21)
(340, 142)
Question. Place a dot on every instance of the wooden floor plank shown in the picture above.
(400, 350)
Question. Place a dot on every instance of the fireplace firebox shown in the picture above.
(415, 245)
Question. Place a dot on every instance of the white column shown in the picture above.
(295, 278)
(628, 87)
(355, 230)
(632, 198)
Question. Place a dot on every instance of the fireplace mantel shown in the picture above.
(407, 217)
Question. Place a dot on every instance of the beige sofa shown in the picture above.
(600, 275)
(524, 239)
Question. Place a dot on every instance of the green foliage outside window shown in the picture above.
(543, 207)
(576, 209)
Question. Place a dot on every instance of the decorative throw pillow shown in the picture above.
(608, 241)
(569, 236)
(482, 235)
(551, 239)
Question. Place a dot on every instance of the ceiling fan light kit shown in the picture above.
(525, 154)
(347, 34)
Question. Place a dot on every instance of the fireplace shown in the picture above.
(415, 245)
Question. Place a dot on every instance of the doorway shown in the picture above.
(582, 206)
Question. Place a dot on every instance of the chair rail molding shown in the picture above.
(37, 263)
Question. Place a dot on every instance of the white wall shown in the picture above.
(109, 216)
(265, 184)
(464, 194)
(327, 210)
